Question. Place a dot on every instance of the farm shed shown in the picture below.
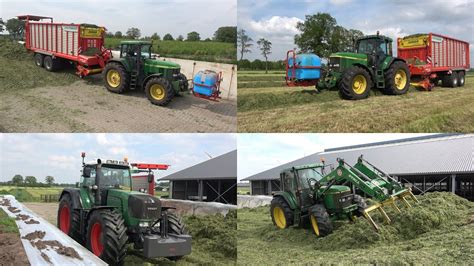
(442, 162)
(214, 180)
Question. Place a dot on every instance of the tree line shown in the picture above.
(30, 181)
(319, 34)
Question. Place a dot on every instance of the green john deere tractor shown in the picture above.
(136, 68)
(309, 195)
(371, 66)
(105, 215)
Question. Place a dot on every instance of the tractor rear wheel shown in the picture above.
(159, 91)
(107, 236)
(397, 79)
(68, 218)
(175, 226)
(450, 81)
(282, 215)
(361, 204)
(461, 79)
(39, 60)
(355, 84)
(320, 220)
(183, 85)
(117, 79)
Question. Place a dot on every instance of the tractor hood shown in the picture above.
(336, 189)
(346, 55)
(161, 64)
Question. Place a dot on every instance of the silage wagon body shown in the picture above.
(433, 57)
(56, 43)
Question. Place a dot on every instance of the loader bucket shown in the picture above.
(399, 196)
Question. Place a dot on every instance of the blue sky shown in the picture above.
(59, 154)
(161, 16)
(260, 152)
(275, 20)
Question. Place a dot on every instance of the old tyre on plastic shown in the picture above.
(397, 79)
(116, 78)
(282, 215)
(107, 236)
(159, 91)
(320, 220)
(68, 218)
(355, 84)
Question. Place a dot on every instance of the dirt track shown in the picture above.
(86, 106)
(47, 211)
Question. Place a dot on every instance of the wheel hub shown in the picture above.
(96, 239)
(400, 79)
(113, 78)
(157, 92)
(359, 85)
(279, 217)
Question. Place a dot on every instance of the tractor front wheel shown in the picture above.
(320, 220)
(159, 91)
(282, 215)
(355, 84)
(39, 60)
(183, 85)
(397, 79)
(68, 218)
(107, 236)
(117, 79)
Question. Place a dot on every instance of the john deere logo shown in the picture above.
(339, 172)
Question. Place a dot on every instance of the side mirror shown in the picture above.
(86, 172)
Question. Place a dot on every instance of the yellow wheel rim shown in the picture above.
(314, 224)
(113, 78)
(359, 84)
(400, 79)
(279, 217)
(157, 92)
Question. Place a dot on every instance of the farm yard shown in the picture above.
(265, 104)
(438, 230)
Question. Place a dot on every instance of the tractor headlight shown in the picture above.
(143, 224)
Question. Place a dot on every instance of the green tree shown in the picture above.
(31, 180)
(193, 37)
(109, 34)
(2, 24)
(118, 34)
(155, 37)
(49, 180)
(226, 34)
(15, 27)
(180, 38)
(168, 37)
(316, 32)
(133, 33)
(17, 180)
(265, 47)
(244, 42)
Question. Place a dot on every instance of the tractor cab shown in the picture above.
(374, 44)
(130, 49)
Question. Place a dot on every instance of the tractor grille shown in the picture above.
(342, 200)
(144, 207)
(335, 63)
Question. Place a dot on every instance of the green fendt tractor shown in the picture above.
(137, 69)
(308, 194)
(371, 66)
(105, 215)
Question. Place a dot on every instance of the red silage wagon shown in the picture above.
(56, 43)
(143, 179)
(433, 57)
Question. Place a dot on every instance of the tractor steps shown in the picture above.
(133, 80)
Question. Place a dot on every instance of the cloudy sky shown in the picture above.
(275, 20)
(260, 152)
(161, 16)
(59, 154)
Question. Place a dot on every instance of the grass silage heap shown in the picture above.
(440, 230)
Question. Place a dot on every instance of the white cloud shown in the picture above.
(340, 2)
(276, 25)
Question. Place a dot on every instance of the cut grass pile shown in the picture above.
(265, 107)
(439, 230)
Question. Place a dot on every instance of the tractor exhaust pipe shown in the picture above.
(99, 176)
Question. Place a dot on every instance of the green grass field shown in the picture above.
(243, 190)
(202, 51)
(29, 194)
(7, 224)
(265, 104)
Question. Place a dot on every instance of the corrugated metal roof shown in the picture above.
(220, 167)
(435, 155)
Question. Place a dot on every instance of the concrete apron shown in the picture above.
(187, 207)
(52, 233)
(245, 201)
(191, 67)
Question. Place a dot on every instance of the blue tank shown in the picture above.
(308, 66)
(205, 82)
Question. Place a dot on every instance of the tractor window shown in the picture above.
(288, 182)
(365, 47)
(146, 50)
(91, 180)
(306, 174)
(115, 177)
(382, 48)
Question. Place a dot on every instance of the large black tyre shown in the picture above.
(397, 79)
(49, 64)
(175, 226)
(450, 81)
(282, 215)
(39, 60)
(355, 84)
(320, 220)
(184, 84)
(68, 219)
(159, 91)
(361, 204)
(116, 78)
(107, 236)
(461, 79)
